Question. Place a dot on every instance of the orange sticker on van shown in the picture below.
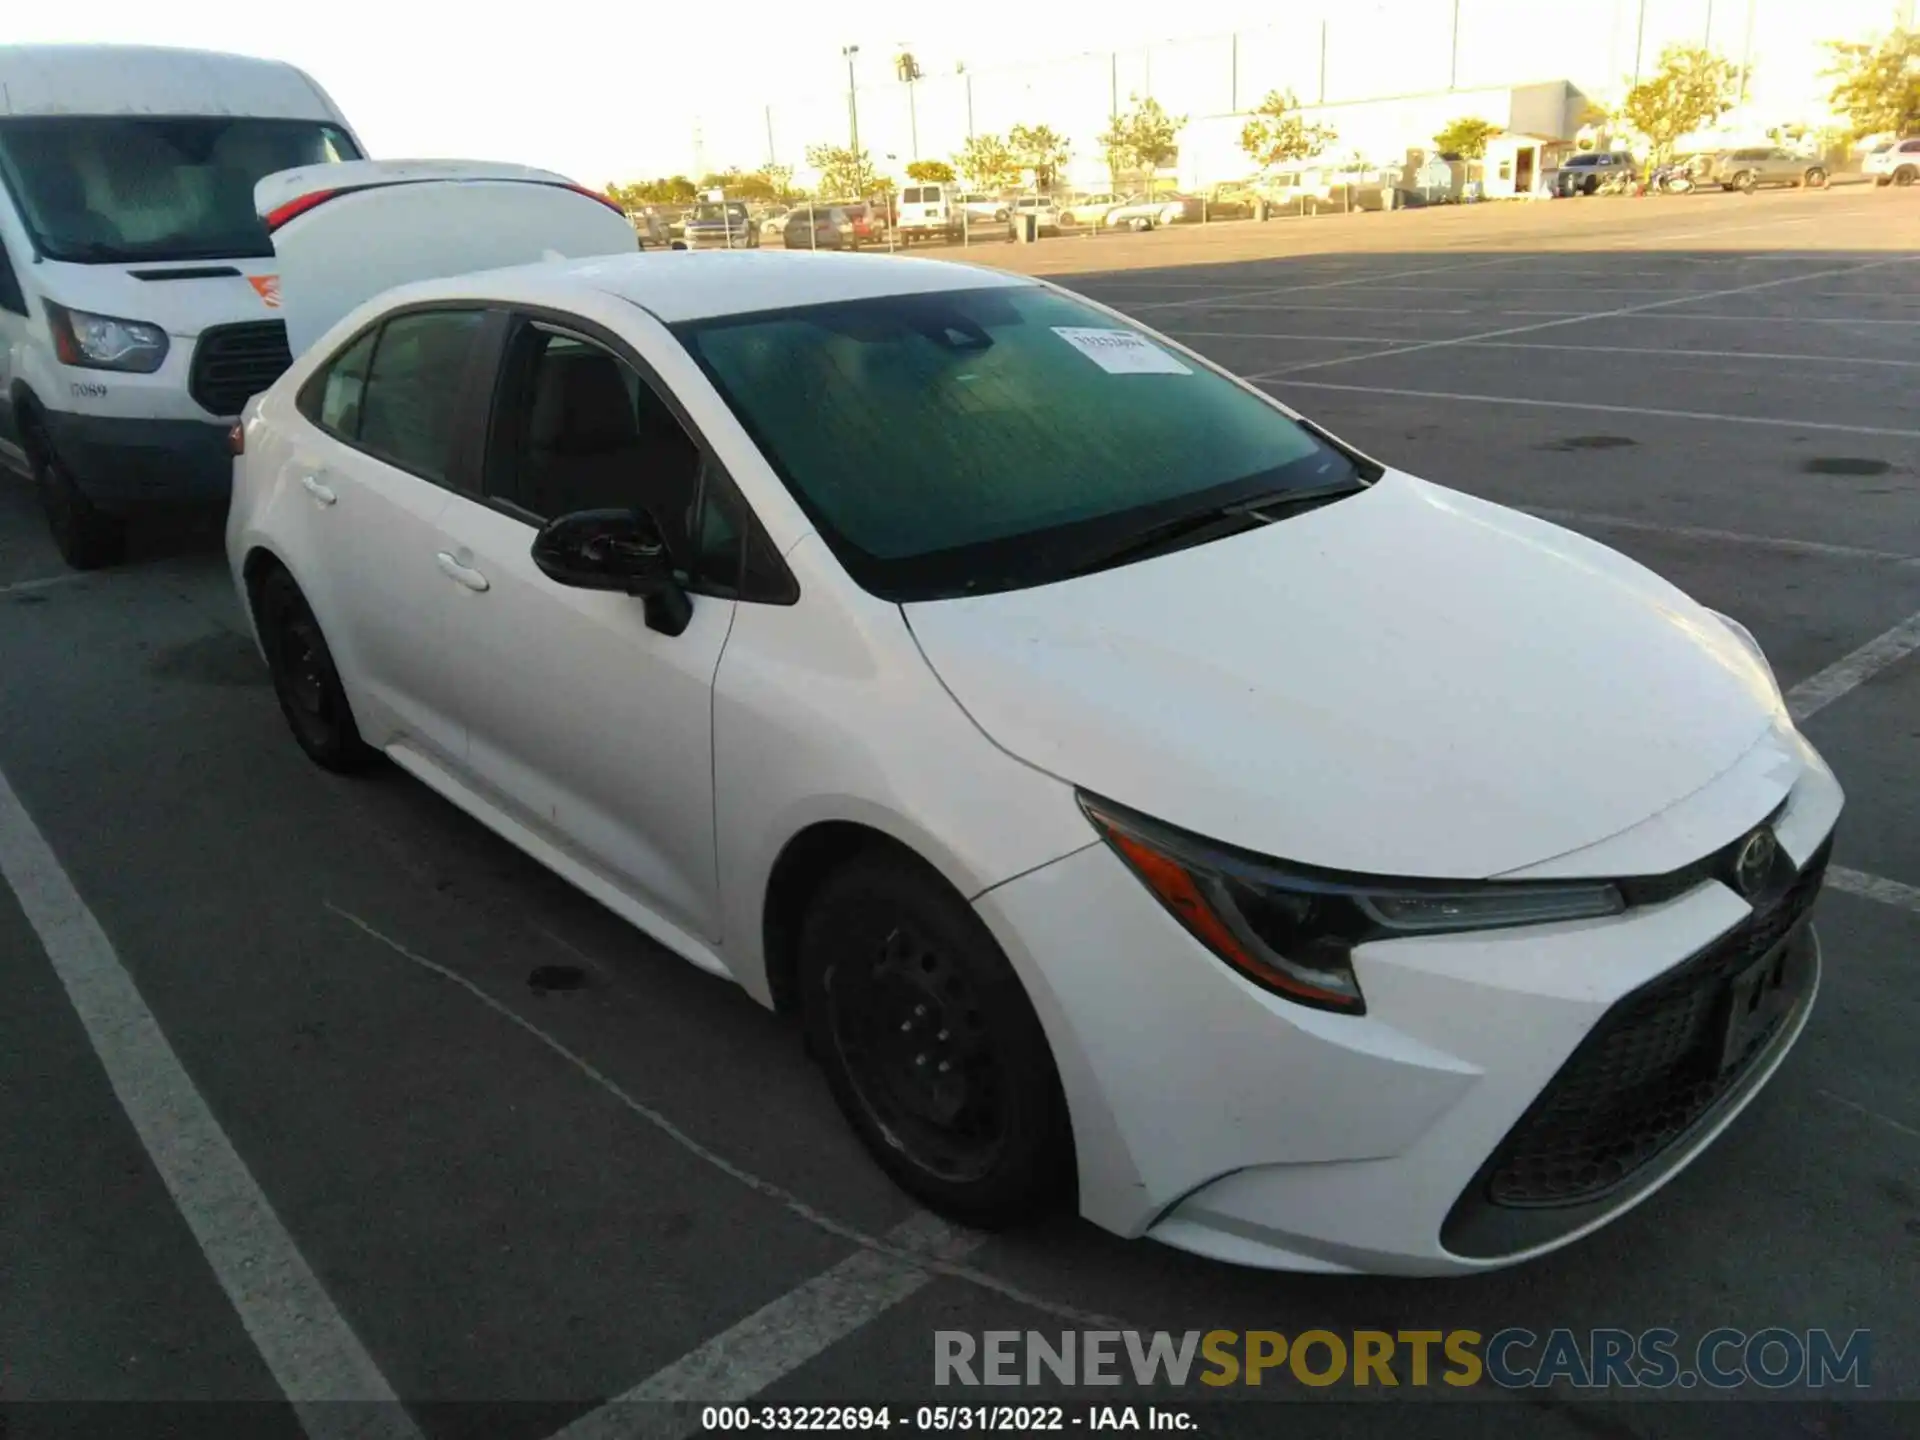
(268, 288)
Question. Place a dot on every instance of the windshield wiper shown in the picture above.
(1215, 523)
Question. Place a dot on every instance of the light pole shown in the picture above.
(1639, 40)
(853, 106)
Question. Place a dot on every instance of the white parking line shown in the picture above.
(307, 1344)
(1286, 378)
(791, 1202)
(1613, 314)
(1874, 887)
(1342, 284)
(1850, 672)
(1728, 537)
(19, 587)
(1277, 335)
(1767, 355)
(784, 1334)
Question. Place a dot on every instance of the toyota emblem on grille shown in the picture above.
(1754, 862)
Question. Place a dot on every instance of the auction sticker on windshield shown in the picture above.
(1120, 352)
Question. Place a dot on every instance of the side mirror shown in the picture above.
(620, 550)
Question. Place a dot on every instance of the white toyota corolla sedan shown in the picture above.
(1143, 799)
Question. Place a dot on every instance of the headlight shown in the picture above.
(1293, 931)
(1745, 637)
(102, 342)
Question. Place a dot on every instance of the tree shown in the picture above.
(741, 184)
(781, 178)
(1466, 137)
(842, 173)
(1143, 139)
(1042, 150)
(1277, 134)
(1877, 86)
(988, 163)
(1692, 88)
(930, 172)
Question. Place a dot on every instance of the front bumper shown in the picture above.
(1224, 1120)
(123, 464)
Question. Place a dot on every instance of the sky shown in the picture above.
(614, 92)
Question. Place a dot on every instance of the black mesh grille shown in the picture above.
(233, 363)
(1650, 1069)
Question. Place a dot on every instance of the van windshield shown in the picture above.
(112, 188)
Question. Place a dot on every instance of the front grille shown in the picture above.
(1649, 1070)
(233, 363)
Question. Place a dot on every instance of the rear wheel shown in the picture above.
(1746, 182)
(1816, 179)
(1906, 175)
(304, 679)
(930, 1044)
(87, 537)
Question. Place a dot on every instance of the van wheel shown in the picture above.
(930, 1044)
(87, 537)
(304, 679)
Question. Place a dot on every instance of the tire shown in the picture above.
(1746, 182)
(1815, 179)
(87, 537)
(1140, 224)
(304, 679)
(1066, 219)
(1906, 175)
(900, 980)
(1590, 185)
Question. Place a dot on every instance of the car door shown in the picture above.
(588, 726)
(389, 432)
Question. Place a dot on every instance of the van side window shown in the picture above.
(11, 297)
(411, 406)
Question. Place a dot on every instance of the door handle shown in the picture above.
(465, 574)
(317, 490)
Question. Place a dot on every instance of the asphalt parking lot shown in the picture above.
(442, 1178)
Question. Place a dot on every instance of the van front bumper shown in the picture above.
(123, 464)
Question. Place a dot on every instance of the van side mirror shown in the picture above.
(620, 550)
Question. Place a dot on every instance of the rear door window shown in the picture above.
(411, 408)
(11, 297)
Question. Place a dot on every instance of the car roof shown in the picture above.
(688, 285)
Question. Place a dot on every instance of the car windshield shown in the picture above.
(968, 441)
(718, 212)
(139, 187)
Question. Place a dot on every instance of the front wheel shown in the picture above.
(87, 537)
(304, 678)
(1905, 175)
(1141, 225)
(1746, 182)
(930, 1044)
(1816, 179)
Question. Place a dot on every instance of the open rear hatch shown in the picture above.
(344, 233)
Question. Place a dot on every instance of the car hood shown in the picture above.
(1410, 682)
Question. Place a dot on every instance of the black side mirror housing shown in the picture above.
(620, 550)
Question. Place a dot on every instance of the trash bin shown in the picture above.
(1026, 227)
(1261, 209)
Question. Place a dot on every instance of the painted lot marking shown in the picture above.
(20, 587)
(1613, 314)
(1850, 672)
(1728, 537)
(1771, 356)
(306, 1342)
(1874, 887)
(791, 1202)
(784, 1334)
(1285, 378)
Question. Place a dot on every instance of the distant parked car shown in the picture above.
(1046, 218)
(774, 223)
(1235, 201)
(1086, 209)
(818, 227)
(721, 226)
(1143, 212)
(1585, 173)
(1750, 169)
(1895, 163)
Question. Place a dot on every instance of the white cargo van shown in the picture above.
(139, 299)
